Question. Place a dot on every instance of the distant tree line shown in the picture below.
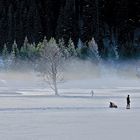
(32, 52)
(114, 24)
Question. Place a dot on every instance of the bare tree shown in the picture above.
(52, 64)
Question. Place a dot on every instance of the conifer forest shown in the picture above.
(114, 25)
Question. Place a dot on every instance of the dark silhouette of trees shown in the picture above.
(115, 21)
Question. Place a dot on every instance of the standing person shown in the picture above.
(92, 93)
(128, 102)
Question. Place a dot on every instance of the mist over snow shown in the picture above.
(77, 74)
(85, 74)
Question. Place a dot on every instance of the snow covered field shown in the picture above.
(28, 111)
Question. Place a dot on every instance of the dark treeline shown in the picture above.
(110, 22)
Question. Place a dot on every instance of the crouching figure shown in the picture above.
(113, 105)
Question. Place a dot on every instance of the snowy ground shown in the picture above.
(28, 111)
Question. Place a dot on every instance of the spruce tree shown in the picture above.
(15, 49)
(13, 54)
(5, 53)
(71, 48)
(5, 56)
(63, 49)
(93, 49)
(45, 42)
(24, 49)
(80, 46)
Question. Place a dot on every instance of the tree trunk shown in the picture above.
(55, 85)
(55, 88)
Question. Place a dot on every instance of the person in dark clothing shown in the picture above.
(113, 105)
(128, 102)
(92, 93)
